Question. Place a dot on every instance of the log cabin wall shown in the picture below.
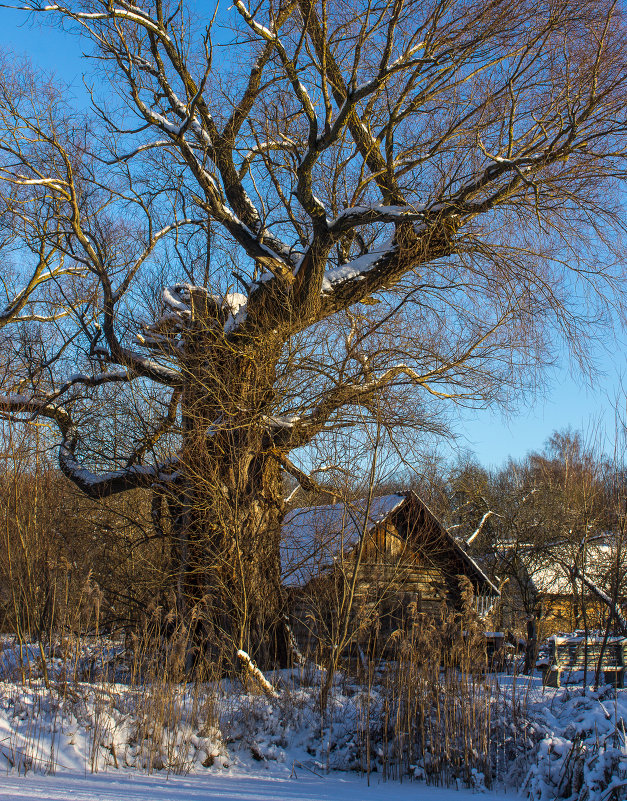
(564, 613)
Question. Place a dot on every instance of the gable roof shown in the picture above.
(314, 537)
(470, 564)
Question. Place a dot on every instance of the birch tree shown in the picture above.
(356, 206)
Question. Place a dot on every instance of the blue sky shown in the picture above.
(47, 47)
(569, 399)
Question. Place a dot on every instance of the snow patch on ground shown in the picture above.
(223, 788)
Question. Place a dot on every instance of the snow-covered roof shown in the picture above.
(314, 536)
(550, 579)
(548, 571)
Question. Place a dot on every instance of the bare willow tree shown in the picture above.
(350, 205)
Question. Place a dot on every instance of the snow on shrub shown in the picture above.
(581, 750)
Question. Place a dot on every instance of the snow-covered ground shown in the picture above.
(108, 787)
(102, 740)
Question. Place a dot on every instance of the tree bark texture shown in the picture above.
(230, 504)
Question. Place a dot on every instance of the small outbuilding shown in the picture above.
(388, 560)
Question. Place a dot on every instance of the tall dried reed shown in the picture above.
(431, 706)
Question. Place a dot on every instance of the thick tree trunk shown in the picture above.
(228, 556)
(228, 529)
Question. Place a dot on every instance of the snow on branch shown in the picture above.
(136, 151)
(113, 12)
(22, 180)
(113, 482)
(257, 27)
(285, 143)
(373, 213)
(233, 301)
(304, 480)
(92, 484)
(308, 480)
(14, 403)
(149, 368)
(256, 675)
(479, 528)
(178, 298)
(38, 318)
(281, 420)
(358, 267)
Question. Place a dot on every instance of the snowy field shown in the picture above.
(224, 788)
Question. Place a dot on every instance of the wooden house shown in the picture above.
(389, 561)
(540, 585)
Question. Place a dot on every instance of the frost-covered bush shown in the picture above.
(581, 751)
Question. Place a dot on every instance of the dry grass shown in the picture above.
(428, 709)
